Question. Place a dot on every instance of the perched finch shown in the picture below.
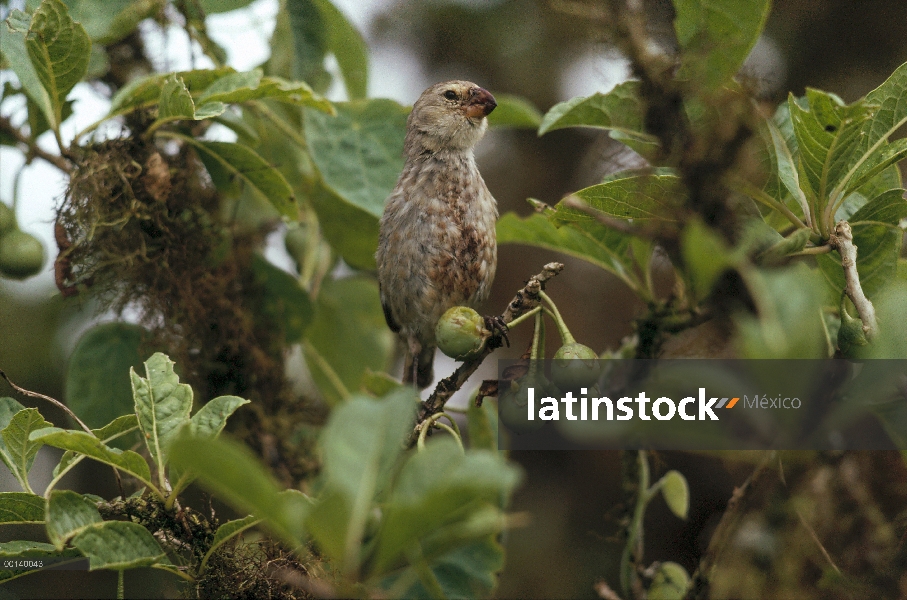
(437, 247)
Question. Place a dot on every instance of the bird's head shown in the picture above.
(449, 115)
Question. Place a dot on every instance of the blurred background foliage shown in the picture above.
(545, 51)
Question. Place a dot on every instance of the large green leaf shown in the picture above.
(19, 449)
(230, 164)
(351, 231)
(284, 301)
(638, 197)
(889, 207)
(828, 132)
(18, 508)
(716, 36)
(309, 36)
(146, 91)
(619, 110)
(242, 87)
(162, 405)
(59, 49)
(359, 152)
(443, 499)
(878, 247)
(220, 6)
(211, 419)
(788, 323)
(359, 446)
(348, 336)
(231, 471)
(97, 377)
(119, 545)
(80, 442)
(12, 46)
(608, 250)
(68, 514)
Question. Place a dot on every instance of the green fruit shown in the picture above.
(513, 403)
(575, 366)
(670, 582)
(7, 219)
(461, 333)
(21, 255)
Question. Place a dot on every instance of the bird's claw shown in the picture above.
(497, 327)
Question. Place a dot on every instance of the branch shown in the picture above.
(56, 160)
(525, 300)
(842, 241)
(53, 401)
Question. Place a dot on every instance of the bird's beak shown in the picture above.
(480, 103)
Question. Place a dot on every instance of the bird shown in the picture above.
(437, 247)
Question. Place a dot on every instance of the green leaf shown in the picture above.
(788, 322)
(83, 443)
(786, 167)
(210, 419)
(220, 6)
(97, 376)
(227, 532)
(116, 428)
(233, 473)
(68, 514)
(284, 302)
(359, 152)
(889, 207)
(242, 87)
(119, 545)
(359, 446)
(442, 500)
(514, 111)
(878, 247)
(230, 163)
(17, 508)
(8, 409)
(676, 493)
(883, 157)
(146, 91)
(606, 250)
(483, 425)
(12, 46)
(59, 49)
(716, 36)
(669, 583)
(705, 255)
(350, 230)
(162, 405)
(109, 21)
(310, 40)
(466, 572)
(175, 101)
(19, 450)
(619, 110)
(639, 197)
(348, 47)
(827, 133)
(349, 334)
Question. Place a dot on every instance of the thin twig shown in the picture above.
(525, 300)
(842, 241)
(812, 534)
(53, 401)
(56, 160)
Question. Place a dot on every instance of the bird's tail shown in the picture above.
(422, 364)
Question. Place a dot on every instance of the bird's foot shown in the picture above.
(498, 329)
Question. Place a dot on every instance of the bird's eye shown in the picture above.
(450, 95)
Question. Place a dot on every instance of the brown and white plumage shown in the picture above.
(437, 247)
